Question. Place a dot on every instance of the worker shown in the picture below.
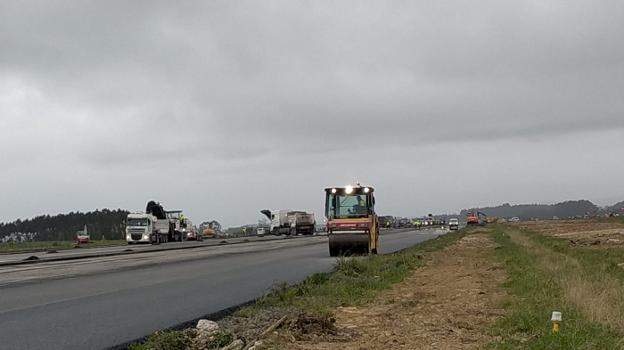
(360, 207)
(182, 220)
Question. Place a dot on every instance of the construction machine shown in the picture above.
(352, 224)
(290, 222)
(210, 229)
(475, 218)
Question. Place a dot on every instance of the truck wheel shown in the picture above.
(334, 251)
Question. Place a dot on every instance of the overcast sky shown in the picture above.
(224, 108)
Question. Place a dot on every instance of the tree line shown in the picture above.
(101, 224)
(568, 209)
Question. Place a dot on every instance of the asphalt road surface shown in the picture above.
(7, 258)
(98, 303)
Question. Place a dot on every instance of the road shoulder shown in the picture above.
(447, 304)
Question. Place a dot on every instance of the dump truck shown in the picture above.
(290, 222)
(155, 225)
(352, 224)
(301, 223)
(147, 228)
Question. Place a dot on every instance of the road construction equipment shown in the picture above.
(352, 224)
(181, 224)
(279, 221)
(475, 218)
(301, 223)
(386, 221)
(156, 225)
(210, 229)
(290, 222)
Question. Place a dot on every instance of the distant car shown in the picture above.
(193, 235)
(83, 239)
(514, 219)
(453, 224)
(260, 231)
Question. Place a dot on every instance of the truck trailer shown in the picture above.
(301, 223)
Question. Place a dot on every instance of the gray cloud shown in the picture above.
(111, 101)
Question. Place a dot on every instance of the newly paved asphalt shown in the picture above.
(9, 258)
(99, 303)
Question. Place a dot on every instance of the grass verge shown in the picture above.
(55, 245)
(354, 281)
(536, 290)
(593, 260)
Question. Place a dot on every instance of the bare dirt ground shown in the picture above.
(447, 304)
(580, 232)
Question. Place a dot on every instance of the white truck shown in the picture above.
(155, 225)
(146, 228)
(279, 221)
(301, 222)
(290, 222)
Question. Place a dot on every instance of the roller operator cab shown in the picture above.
(352, 224)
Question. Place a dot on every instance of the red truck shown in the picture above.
(475, 218)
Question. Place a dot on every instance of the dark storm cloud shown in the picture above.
(220, 85)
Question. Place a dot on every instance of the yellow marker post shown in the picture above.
(556, 320)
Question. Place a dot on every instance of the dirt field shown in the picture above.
(448, 304)
(580, 232)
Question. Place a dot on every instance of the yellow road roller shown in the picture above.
(352, 224)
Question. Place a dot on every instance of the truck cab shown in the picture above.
(279, 221)
(453, 224)
(140, 227)
(352, 224)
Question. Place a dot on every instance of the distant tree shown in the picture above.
(540, 211)
(105, 223)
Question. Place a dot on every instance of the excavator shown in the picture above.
(352, 224)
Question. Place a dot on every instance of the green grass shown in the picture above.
(593, 260)
(55, 245)
(535, 293)
(164, 341)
